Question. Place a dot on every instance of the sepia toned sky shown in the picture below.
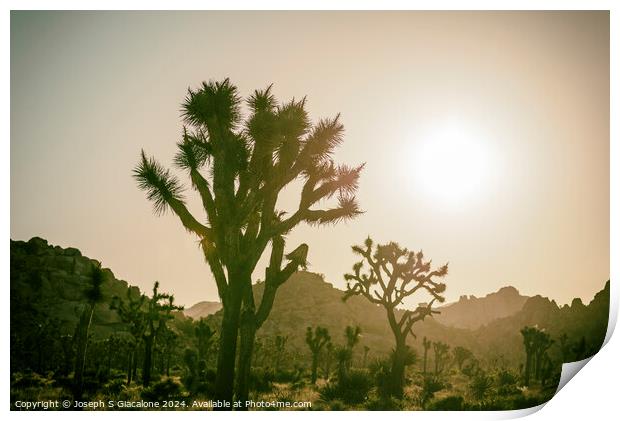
(485, 135)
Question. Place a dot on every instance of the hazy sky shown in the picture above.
(485, 135)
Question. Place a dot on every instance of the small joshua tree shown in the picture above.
(441, 350)
(352, 335)
(205, 337)
(316, 340)
(392, 274)
(157, 313)
(426, 344)
(461, 355)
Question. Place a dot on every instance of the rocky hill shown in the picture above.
(202, 309)
(48, 283)
(471, 312)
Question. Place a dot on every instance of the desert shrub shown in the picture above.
(113, 388)
(353, 389)
(480, 385)
(449, 403)
(384, 404)
(261, 379)
(522, 401)
(506, 382)
(337, 405)
(31, 379)
(162, 391)
(380, 370)
(430, 385)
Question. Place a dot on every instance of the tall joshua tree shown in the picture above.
(316, 340)
(392, 274)
(238, 168)
(93, 295)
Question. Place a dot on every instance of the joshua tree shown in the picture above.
(395, 273)
(131, 312)
(248, 163)
(316, 340)
(343, 355)
(352, 336)
(365, 355)
(93, 296)
(279, 350)
(536, 343)
(441, 355)
(426, 344)
(204, 338)
(528, 334)
(157, 313)
(543, 343)
(328, 360)
(461, 355)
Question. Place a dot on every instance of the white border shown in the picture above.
(593, 394)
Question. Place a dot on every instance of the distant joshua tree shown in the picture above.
(157, 313)
(93, 295)
(352, 336)
(239, 168)
(461, 355)
(316, 340)
(279, 345)
(393, 274)
(536, 343)
(440, 350)
(204, 337)
(426, 344)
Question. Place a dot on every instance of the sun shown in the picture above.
(451, 165)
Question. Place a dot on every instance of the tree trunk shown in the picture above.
(247, 336)
(130, 366)
(528, 367)
(80, 359)
(148, 359)
(224, 381)
(425, 359)
(398, 370)
(315, 363)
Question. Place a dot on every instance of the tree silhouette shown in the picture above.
(316, 340)
(248, 163)
(157, 313)
(204, 338)
(440, 350)
(461, 355)
(426, 344)
(352, 336)
(536, 343)
(131, 312)
(393, 274)
(93, 295)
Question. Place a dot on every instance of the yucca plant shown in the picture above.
(239, 167)
(316, 340)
